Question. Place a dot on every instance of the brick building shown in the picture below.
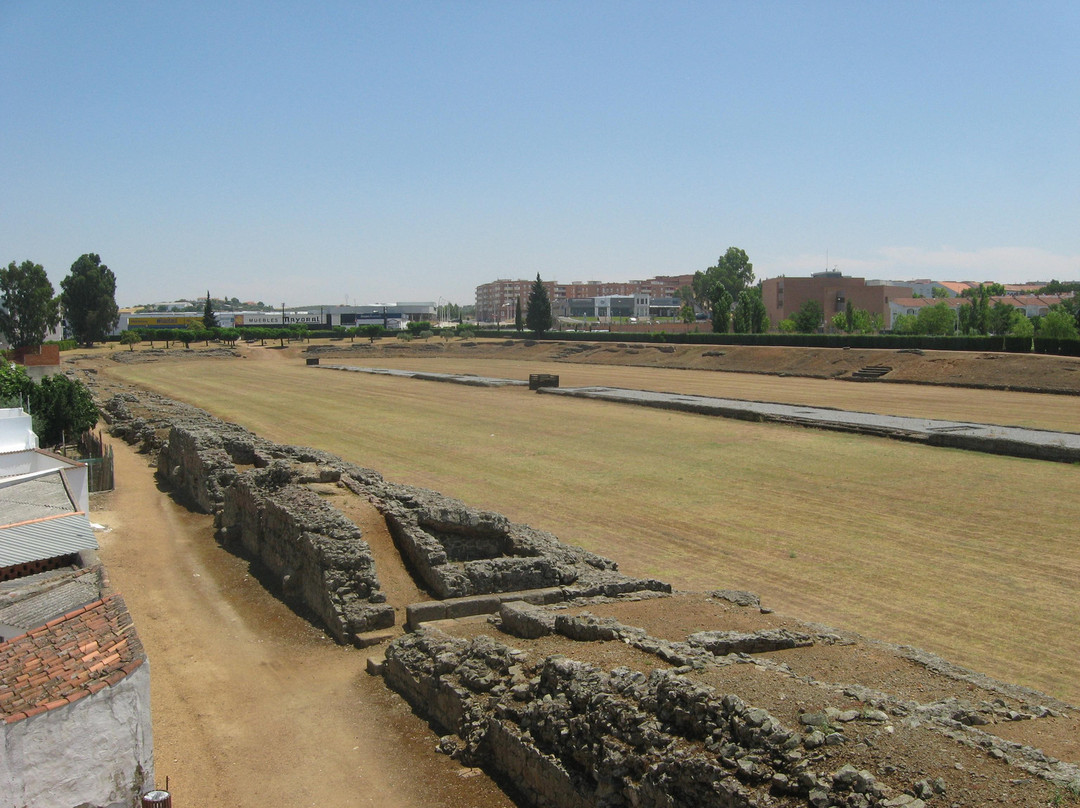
(785, 296)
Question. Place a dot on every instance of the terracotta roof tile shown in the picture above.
(67, 659)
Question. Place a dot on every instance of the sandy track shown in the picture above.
(252, 705)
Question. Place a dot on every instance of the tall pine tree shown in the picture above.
(208, 319)
(538, 315)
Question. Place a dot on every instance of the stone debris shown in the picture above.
(460, 551)
(722, 643)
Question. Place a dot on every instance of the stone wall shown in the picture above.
(256, 489)
(317, 555)
(455, 551)
(568, 734)
(258, 492)
(459, 551)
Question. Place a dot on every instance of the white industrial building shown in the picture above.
(389, 315)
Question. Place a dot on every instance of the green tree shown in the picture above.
(721, 313)
(1059, 287)
(1021, 325)
(186, 336)
(538, 314)
(519, 320)
(15, 384)
(372, 331)
(28, 307)
(1058, 324)
(208, 319)
(939, 292)
(809, 316)
(858, 321)
(980, 310)
(130, 338)
(750, 315)
(733, 273)
(686, 313)
(937, 319)
(89, 299)
(1000, 318)
(65, 409)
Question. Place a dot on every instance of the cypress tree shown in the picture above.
(208, 319)
(538, 316)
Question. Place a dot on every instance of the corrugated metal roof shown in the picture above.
(47, 538)
(38, 498)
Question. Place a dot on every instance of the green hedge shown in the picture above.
(879, 341)
(1061, 347)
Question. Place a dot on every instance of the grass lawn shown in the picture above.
(968, 555)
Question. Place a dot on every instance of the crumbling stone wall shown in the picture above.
(569, 734)
(317, 555)
(256, 491)
(459, 551)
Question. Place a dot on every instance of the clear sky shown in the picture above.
(399, 151)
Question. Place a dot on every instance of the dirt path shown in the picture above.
(252, 705)
(394, 578)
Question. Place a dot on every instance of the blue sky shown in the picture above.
(390, 151)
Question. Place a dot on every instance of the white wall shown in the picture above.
(98, 751)
(16, 430)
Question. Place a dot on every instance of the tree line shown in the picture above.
(30, 308)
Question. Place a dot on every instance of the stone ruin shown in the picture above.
(259, 494)
(459, 552)
(560, 732)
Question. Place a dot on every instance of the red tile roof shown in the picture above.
(68, 658)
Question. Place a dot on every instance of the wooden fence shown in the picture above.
(98, 457)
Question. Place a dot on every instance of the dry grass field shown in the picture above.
(1012, 408)
(972, 556)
